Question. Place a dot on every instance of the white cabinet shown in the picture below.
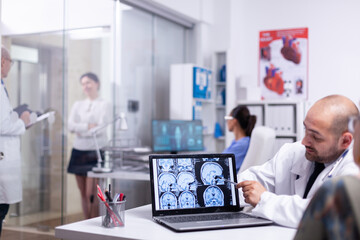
(285, 117)
(191, 97)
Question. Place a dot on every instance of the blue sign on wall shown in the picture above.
(201, 83)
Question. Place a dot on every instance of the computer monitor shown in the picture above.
(177, 136)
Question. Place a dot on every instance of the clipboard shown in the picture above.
(40, 118)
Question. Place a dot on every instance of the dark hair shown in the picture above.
(92, 76)
(246, 121)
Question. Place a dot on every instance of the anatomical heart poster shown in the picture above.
(283, 64)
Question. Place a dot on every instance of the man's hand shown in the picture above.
(252, 191)
(25, 116)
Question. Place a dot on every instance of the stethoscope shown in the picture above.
(329, 175)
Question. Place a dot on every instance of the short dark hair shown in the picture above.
(92, 76)
(246, 121)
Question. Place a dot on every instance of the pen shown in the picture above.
(329, 175)
(225, 180)
(100, 192)
(111, 213)
(116, 197)
(229, 181)
(114, 216)
(108, 196)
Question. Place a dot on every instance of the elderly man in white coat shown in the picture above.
(281, 188)
(11, 127)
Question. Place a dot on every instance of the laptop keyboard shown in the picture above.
(206, 217)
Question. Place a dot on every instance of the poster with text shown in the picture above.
(283, 64)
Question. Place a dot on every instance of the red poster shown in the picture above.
(283, 64)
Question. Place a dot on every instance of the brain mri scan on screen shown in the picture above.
(191, 183)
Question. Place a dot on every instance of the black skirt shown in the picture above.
(82, 161)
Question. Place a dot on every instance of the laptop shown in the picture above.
(194, 192)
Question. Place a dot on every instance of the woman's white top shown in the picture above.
(87, 112)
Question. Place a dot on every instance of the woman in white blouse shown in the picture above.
(86, 114)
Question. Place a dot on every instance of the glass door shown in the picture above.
(35, 80)
(50, 55)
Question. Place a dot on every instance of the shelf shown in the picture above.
(184, 106)
(268, 102)
(293, 135)
(219, 61)
(203, 100)
(208, 134)
(285, 117)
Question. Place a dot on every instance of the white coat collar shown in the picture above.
(301, 167)
(302, 170)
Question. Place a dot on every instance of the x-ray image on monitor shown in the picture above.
(209, 171)
(185, 164)
(167, 181)
(213, 196)
(184, 179)
(166, 165)
(168, 201)
(177, 135)
(192, 183)
(187, 200)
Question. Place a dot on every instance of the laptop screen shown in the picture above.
(193, 183)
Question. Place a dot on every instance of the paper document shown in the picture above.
(40, 118)
(44, 116)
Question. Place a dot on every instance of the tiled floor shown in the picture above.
(43, 230)
(26, 235)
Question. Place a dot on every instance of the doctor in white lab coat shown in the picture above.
(11, 127)
(276, 189)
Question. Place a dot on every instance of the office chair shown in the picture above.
(261, 147)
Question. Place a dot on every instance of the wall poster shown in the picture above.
(283, 64)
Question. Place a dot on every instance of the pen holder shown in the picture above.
(114, 214)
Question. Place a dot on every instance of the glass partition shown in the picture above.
(85, 54)
(36, 80)
(58, 45)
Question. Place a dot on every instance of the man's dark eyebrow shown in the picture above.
(311, 130)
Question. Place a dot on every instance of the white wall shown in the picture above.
(189, 8)
(333, 33)
(212, 25)
(48, 15)
(334, 52)
(198, 10)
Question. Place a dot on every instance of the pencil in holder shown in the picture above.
(114, 214)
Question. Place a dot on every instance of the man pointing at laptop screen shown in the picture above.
(281, 188)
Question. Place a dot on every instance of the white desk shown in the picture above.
(139, 225)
